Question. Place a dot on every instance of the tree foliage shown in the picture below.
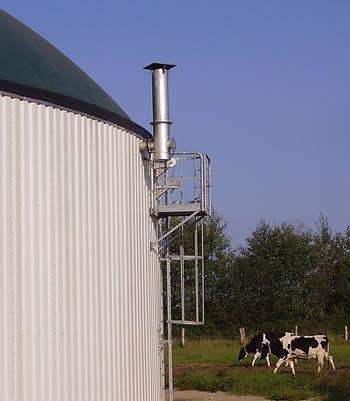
(283, 275)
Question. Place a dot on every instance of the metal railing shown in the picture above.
(186, 180)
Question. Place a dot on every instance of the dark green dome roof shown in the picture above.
(30, 66)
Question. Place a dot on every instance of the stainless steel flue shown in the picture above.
(162, 142)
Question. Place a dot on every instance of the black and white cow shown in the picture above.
(256, 344)
(290, 348)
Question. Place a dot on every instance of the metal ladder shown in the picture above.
(181, 199)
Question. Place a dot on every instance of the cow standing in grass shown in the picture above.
(290, 348)
(256, 344)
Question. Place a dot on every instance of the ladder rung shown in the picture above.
(167, 187)
(179, 257)
(186, 322)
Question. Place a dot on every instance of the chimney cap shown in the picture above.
(156, 66)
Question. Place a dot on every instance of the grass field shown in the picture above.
(213, 366)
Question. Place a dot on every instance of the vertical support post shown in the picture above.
(203, 281)
(202, 179)
(208, 185)
(181, 178)
(162, 352)
(182, 336)
(242, 335)
(196, 267)
(162, 326)
(296, 330)
(170, 334)
(346, 333)
(169, 324)
(182, 279)
(194, 179)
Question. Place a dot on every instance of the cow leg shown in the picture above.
(291, 362)
(268, 360)
(330, 360)
(256, 356)
(294, 360)
(320, 360)
(279, 363)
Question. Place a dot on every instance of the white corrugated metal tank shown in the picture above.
(80, 289)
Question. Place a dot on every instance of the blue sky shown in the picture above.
(262, 86)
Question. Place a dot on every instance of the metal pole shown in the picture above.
(182, 279)
(196, 267)
(208, 185)
(169, 324)
(159, 229)
(170, 334)
(162, 353)
(202, 178)
(181, 176)
(202, 251)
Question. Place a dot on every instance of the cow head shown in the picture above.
(242, 354)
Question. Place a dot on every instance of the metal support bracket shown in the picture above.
(162, 238)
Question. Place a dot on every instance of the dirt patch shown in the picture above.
(204, 396)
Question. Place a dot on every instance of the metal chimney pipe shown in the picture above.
(162, 142)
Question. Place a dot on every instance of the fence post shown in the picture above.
(183, 336)
(296, 330)
(346, 333)
(242, 335)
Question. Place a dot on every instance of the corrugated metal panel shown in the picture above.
(79, 286)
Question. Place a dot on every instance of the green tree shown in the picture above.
(284, 275)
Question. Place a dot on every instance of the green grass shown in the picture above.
(213, 366)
